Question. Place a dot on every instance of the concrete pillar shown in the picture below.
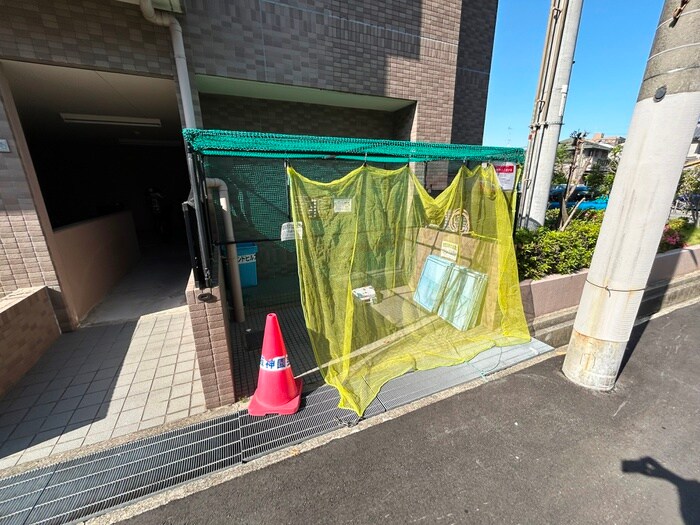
(662, 127)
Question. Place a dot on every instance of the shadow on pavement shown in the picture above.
(688, 489)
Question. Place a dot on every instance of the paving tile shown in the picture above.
(148, 364)
(119, 392)
(155, 409)
(56, 421)
(10, 461)
(90, 439)
(149, 423)
(83, 378)
(124, 380)
(73, 432)
(35, 389)
(6, 432)
(175, 416)
(106, 373)
(129, 368)
(184, 366)
(186, 356)
(75, 390)
(197, 410)
(25, 402)
(100, 385)
(165, 370)
(126, 429)
(112, 406)
(169, 350)
(51, 395)
(68, 445)
(60, 383)
(140, 388)
(92, 365)
(182, 377)
(179, 404)
(94, 398)
(85, 414)
(184, 389)
(45, 439)
(135, 401)
(144, 375)
(163, 394)
(13, 446)
(32, 454)
(129, 417)
(12, 418)
(66, 405)
(27, 428)
(39, 411)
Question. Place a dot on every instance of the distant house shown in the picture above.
(693, 156)
(595, 152)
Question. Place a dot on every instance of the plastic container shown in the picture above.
(247, 265)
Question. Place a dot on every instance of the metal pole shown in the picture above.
(662, 127)
(546, 127)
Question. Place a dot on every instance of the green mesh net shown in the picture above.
(273, 145)
(390, 279)
(393, 280)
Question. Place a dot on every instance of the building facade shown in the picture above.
(91, 113)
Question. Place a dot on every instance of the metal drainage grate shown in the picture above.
(319, 414)
(89, 485)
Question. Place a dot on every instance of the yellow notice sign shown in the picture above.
(449, 251)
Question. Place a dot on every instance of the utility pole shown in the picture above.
(548, 112)
(661, 129)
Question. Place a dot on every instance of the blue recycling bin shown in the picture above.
(247, 265)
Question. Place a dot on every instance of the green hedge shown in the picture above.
(545, 251)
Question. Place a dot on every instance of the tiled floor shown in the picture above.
(102, 382)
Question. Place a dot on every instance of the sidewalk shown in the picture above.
(102, 382)
(530, 447)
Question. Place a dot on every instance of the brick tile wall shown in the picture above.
(212, 339)
(397, 49)
(106, 35)
(272, 116)
(28, 327)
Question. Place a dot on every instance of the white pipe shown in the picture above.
(183, 77)
(231, 252)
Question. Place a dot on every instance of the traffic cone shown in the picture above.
(277, 391)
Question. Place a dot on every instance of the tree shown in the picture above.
(573, 178)
(688, 193)
(561, 161)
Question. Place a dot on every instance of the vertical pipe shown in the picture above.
(540, 169)
(662, 127)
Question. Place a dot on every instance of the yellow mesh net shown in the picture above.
(393, 280)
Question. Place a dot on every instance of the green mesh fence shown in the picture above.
(273, 145)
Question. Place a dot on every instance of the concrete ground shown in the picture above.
(530, 447)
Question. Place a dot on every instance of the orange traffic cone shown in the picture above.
(277, 392)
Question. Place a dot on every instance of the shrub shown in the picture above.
(544, 252)
(674, 235)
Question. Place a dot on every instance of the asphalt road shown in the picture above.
(528, 448)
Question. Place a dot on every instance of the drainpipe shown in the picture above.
(183, 80)
(183, 77)
(231, 252)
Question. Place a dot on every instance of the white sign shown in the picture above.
(4, 146)
(448, 250)
(342, 205)
(288, 231)
(243, 259)
(505, 171)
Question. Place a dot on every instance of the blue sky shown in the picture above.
(613, 45)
